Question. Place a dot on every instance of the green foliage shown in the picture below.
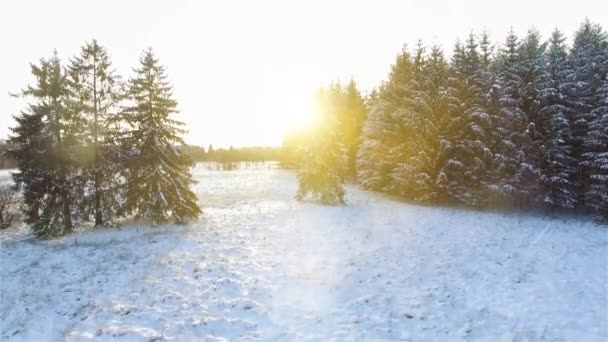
(41, 144)
(97, 92)
(158, 171)
(320, 174)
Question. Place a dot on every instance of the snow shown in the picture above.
(260, 266)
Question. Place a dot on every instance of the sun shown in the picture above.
(296, 111)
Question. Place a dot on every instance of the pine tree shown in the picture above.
(30, 141)
(588, 59)
(381, 138)
(559, 165)
(324, 159)
(469, 158)
(532, 75)
(514, 132)
(44, 142)
(351, 122)
(97, 92)
(595, 142)
(419, 175)
(158, 175)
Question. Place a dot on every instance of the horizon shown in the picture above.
(246, 78)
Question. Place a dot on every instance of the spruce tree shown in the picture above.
(419, 174)
(44, 142)
(513, 129)
(588, 59)
(324, 158)
(382, 139)
(469, 158)
(352, 119)
(559, 165)
(532, 75)
(97, 92)
(158, 169)
(29, 143)
(594, 156)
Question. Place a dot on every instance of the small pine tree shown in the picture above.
(324, 158)
(321, 172)
(158, 175)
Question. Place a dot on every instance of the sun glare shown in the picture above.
(298, 111)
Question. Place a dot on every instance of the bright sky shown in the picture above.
(244, 71)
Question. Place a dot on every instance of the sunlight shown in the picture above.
(297, 111)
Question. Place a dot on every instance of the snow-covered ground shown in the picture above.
(260, 266)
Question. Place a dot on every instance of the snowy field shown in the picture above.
(260, 266)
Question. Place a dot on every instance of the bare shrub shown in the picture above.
(9, 207)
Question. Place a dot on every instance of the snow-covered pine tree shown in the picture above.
(469, 159)
(380, 141)
(324, 158)
(158, 169)
(408, 178)
(419, 173)
(532, 76)
(596, 155)
(352, 119)
(97, 92)
(595, 142)
(512, 129)
(44, 141)
(588, 69)
(558, 163)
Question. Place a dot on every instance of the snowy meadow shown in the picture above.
(258, 265)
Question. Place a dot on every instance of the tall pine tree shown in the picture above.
(559, 165)
(158, 170)
(97, 92)
(324, 158)
(382, 139)
(44, 142)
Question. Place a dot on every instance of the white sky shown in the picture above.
(244, 71)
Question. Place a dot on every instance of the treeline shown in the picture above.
(90, 147)
(523, 125)
(233, 155)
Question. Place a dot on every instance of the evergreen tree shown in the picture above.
(596, 156)
(559, 165)
(29, 143)
(588, 59)
(44, 141)
(594, 93)
(324, 158)
(158, 175)
(469, 158)
(513, 130)
(532, 75)
(351, 120)
(419, 173)
(97, 92)
(381, 137)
